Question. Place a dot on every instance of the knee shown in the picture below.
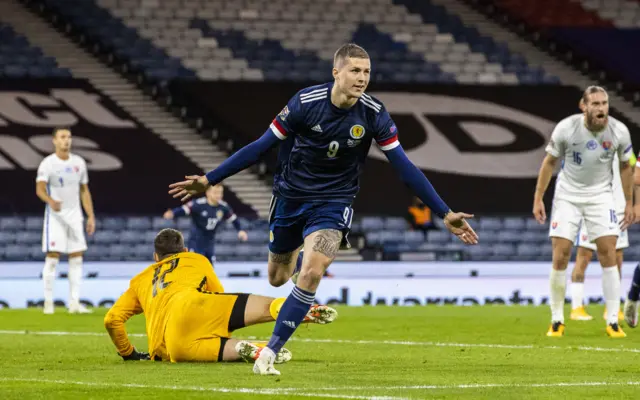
(277, 277)
(561, 258)
(607, 253)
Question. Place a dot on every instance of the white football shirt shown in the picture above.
(587, 169)
(63, 178)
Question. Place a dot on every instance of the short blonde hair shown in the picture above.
(591, 90)
(348, 50)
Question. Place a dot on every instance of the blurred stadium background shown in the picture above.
(155, 89)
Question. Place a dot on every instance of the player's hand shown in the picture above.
(136, 356)
(193, 185)
(242, 236)
(168, 214)
(538, 212)
(91, 226)
(55, 205)
(636, 213)
(629, 217)
(457, 224)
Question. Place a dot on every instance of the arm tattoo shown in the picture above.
(327, 242)
(284, 258)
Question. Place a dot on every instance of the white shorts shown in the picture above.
(63, 234)
(599, 219)
(582, 240)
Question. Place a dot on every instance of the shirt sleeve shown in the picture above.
(287, 121)
(386, 133)
(625, 148)
(184, 210)
(557, 145)
(43, 172)
(84, 179)
(123, 309)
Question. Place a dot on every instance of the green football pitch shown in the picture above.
(492, 352)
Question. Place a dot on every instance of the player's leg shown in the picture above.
(76, 246)
(583, 257)
(633, 300)
(51, 261)
(281, 266)
(565, 222)
(622, 243)
(603, 227)
(286, 224)
(54, 242)
(320, 249)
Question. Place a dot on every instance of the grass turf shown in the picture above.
(492, 352)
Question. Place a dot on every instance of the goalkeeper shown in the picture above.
(188, 315)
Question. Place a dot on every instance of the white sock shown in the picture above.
(611, 290)
(577, 294)
(75, 279)
(558, 285)
(48, 277)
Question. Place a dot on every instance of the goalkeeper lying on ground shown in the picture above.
(188, 315)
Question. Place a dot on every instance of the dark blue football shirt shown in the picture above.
(325, 147)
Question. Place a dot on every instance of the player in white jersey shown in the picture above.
(586, 248)
(583, 194)
(62, 183)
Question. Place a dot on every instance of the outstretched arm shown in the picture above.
(123, 309)
(415, 179)
(242, 159)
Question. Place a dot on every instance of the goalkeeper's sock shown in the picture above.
(48, 278)
(291, 315)
(634, 291)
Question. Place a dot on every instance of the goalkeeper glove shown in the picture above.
(136, 356)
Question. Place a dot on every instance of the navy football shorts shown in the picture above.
(291, 221)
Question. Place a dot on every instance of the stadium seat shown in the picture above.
(395, 223)
(113, 223)
(183, 223)
(439, 237)
(372, 224)
(490, 223)
(159, 223)
(130, 237)
(34, 223)
(8, 238)
(138, 223)
(11, 224)
(514, 223)
(105, 237)
(28, 238)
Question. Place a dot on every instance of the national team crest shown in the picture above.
(357, 132)
(585, 238)
(284, 113)
(606, 145)
(219, 214)
(554, 225)
(393, 129)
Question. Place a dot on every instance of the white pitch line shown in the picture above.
(486, 386)
(291, 391)
(367, 342)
